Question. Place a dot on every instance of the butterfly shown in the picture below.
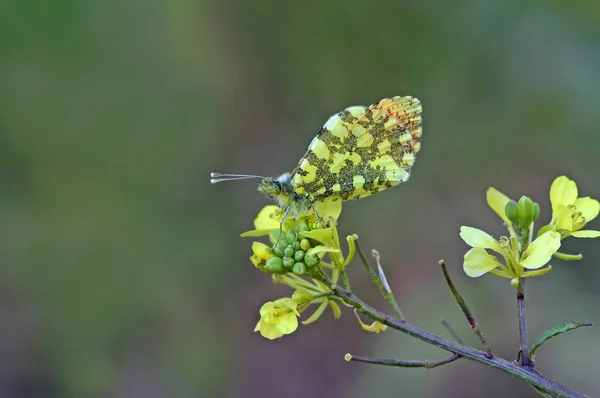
(358, 152)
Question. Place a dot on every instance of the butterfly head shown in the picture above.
(276, 188)
(280, 189)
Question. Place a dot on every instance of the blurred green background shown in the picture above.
(122, 273)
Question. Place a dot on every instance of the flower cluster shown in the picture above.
(296, 258)
(522, 255)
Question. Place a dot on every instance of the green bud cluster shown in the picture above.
(522, 213)
(290, 251)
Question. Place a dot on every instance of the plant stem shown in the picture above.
(404, 364)
(524, 358)
(387, 293)
(463, 306)
(532, 377)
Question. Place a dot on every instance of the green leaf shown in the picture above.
(556, 331)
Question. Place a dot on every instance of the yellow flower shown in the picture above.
(270, 218)
(261, 253)
(478, 261)
(280, 317)
(571, 213)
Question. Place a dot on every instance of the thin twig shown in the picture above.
(385, 291)
(452, 331)
(463, 306)
(403, 364)
(524, 358)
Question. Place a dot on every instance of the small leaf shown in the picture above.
(556, 331)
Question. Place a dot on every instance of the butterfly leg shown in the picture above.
(285, 214)
(296, 213)
(315, 211)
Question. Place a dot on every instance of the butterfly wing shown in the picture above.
(361, 151)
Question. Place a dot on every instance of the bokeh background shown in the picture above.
(122, 273)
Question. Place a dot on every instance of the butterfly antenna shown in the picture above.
(219, 177)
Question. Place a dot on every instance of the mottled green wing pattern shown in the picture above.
(361, 151)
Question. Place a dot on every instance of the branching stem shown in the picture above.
(539, 381)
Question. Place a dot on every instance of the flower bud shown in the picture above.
(291, 236)
(523, 213)
(305, 244)
(288, 262)
(311, 260)
(299, 255)
(299, 269)
(280, 248)
(274, 265)
(302, 227)
(512, 212)
(289, 251)
(528, 210)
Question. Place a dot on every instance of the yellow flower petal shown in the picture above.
(277, 318)
(563, 218)
(268, 330)
(261, 250)
(329, 209)
(588, 207)
(562, 192)
(288, 323)
(478, 262)
(268, 218)
(541, 250)
(477, 238)
(497, 201)
(588, 233)
(325, 235)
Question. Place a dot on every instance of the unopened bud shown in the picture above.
(512, 211)
(529, 211)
